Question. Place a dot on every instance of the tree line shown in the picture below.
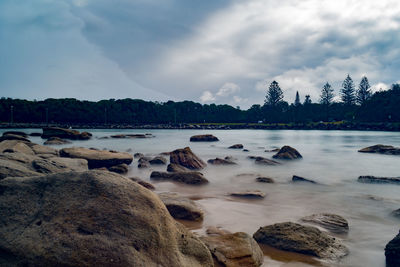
(356, 105)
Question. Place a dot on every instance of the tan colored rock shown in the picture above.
(287, 152)
(181, 207)
(332, 222)
(56, 165)
(186, 158)
(56, 141)
(192, 178)
(265, 161)
(15, 146)
(120, 168)
(381, 149)
(249, 194)
(38, 149)
(176, 168)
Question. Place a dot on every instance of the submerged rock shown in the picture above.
(237, 146)
(297, 179)
(249, 194)
(91, 219)
(381, 149)
(65, 133)
(186, 158)
(192, 178)
(203, 138)
(218, 161)
(176, 168)
(138, 155)
(181, 207)
(379, 180)
(158, 161)
(56, 141)
(265, 161)
(396, 213)
(332, 222)
(298, 238)
(265, 180)
(392, 252)
(287, 152)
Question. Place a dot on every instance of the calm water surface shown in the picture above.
(329, 157)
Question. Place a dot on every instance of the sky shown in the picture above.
(216, 51)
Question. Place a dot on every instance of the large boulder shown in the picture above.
(56, 165)
(192, 178)
(203, 138)
(219, 161)
(92, 218)
(381, 149)
(392, 252)
(11, 168)
(65, 133)
(38, 150)
(181, 207)
(287, 152)
(379, 180)
(298, 238)
(332, 222)
(234, 250)
(15, 146)
(186, 158)
(97, 158)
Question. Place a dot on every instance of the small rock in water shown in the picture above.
(237, 146)
(396, 213)
(264, 161)
(186, 158)
(392, 252)
(192, 178)
(138, 155)
(218, 161)
(181, 207)
(203, 138)
(56, 141)
(379, 180)
(296, 179)
(143, 183)
(287, 152)
(158, 161)
(176, 168)
(120, 168)
(265, 180)
(249, 194)
(332, 222)
(381, 149)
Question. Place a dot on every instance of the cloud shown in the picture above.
(228, 89)
(207, 96)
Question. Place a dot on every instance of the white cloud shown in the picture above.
(228, 89)
(207, 96)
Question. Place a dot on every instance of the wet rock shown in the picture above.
(56, 141)
(249, 194)
(298, 238)
(158, 161)
(218, 161)
(203, 138)
(138, 155)
(392, 252)
(297, 179)
(237, 146)
(186, 158)
(120, 168)
(65, 133)
(176, 168)
(181, 207)
(15, 146)
(265, 161)
(143, 183)
(265, 180)
(97, 158)
(234, 250)
(381, 149)
(91, 219)
(287, 152)
(192, 178)
(11, 136)
(332, 222)
(57, 165)
(379, 180)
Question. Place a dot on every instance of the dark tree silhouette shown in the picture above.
(307, 100)
(297, 100)
(347, 92)
(326, 94)
(274, 94)
(363, 92)
(395, 86)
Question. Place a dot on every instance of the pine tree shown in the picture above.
(307, 100)
(348, 92)
(274, 94)
(326, 94)
(364, 92)
(297, 100)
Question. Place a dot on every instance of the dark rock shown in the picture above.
(298, 238)
(264, 161)
(237, 146)
(193, 178)
(246, 150)
(144, 159)
(379, 180)
(65, 133)
(35, 134)
(332, 222)
(143, 183)
(287, 152)
(249, 194)
(158, 161)
(56, 141)
(23, 134)
(91, 219)
(272, 150)
(138, 155)
(265, 180)
(120, 168)
(130, 136)
(296, 179)
(218, 161)
(186, 158)
(176, 168)
(203, 138)
(381, 149)
(143, 164)
(392, 252)
(14, 137)
(396, 213)
(181, 207)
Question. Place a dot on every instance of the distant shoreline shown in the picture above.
(342, 125)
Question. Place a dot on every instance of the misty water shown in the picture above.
(329, 157)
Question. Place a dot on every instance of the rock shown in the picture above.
(272, 150)
(11, 136)
(56, 141)
(192, 178)
(332, 222)
(97, 158)
(138, 155)
(131, 136)
(143, 183)
(249, 194)
(265, 180)
(91, 218)
(158, 161)
(381, 149)
(38, 150)
(10, 168)
(57, 165)
(181, 207)
(186, 158)
(144, 159)
(35, 134)
(287, 152)
(143, 165)
(246, 150)
(296, 179)
(120, 168)
(15, 146)
(379, 180)
(23, 134)
(392, 252)
(176, 168)
(203, 138)
(234, 250)
(218, 161)
(65, 133)
(237, 146)
(298, 238)
(264, 161)
(396, 213)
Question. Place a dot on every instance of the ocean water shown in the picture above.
(329, 157)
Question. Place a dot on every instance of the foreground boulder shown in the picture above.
(234, 250)
(332, 222)
(287, 152)
(203, 138)
(181, 207)
(65, 133)
(219, 161)
(97, 158)
(381, 149)
(301, 239)
(193, 178)
(91, 219)
(186, 158)
(392, 252)
(379, 180)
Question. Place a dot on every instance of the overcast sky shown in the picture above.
(217, 51)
